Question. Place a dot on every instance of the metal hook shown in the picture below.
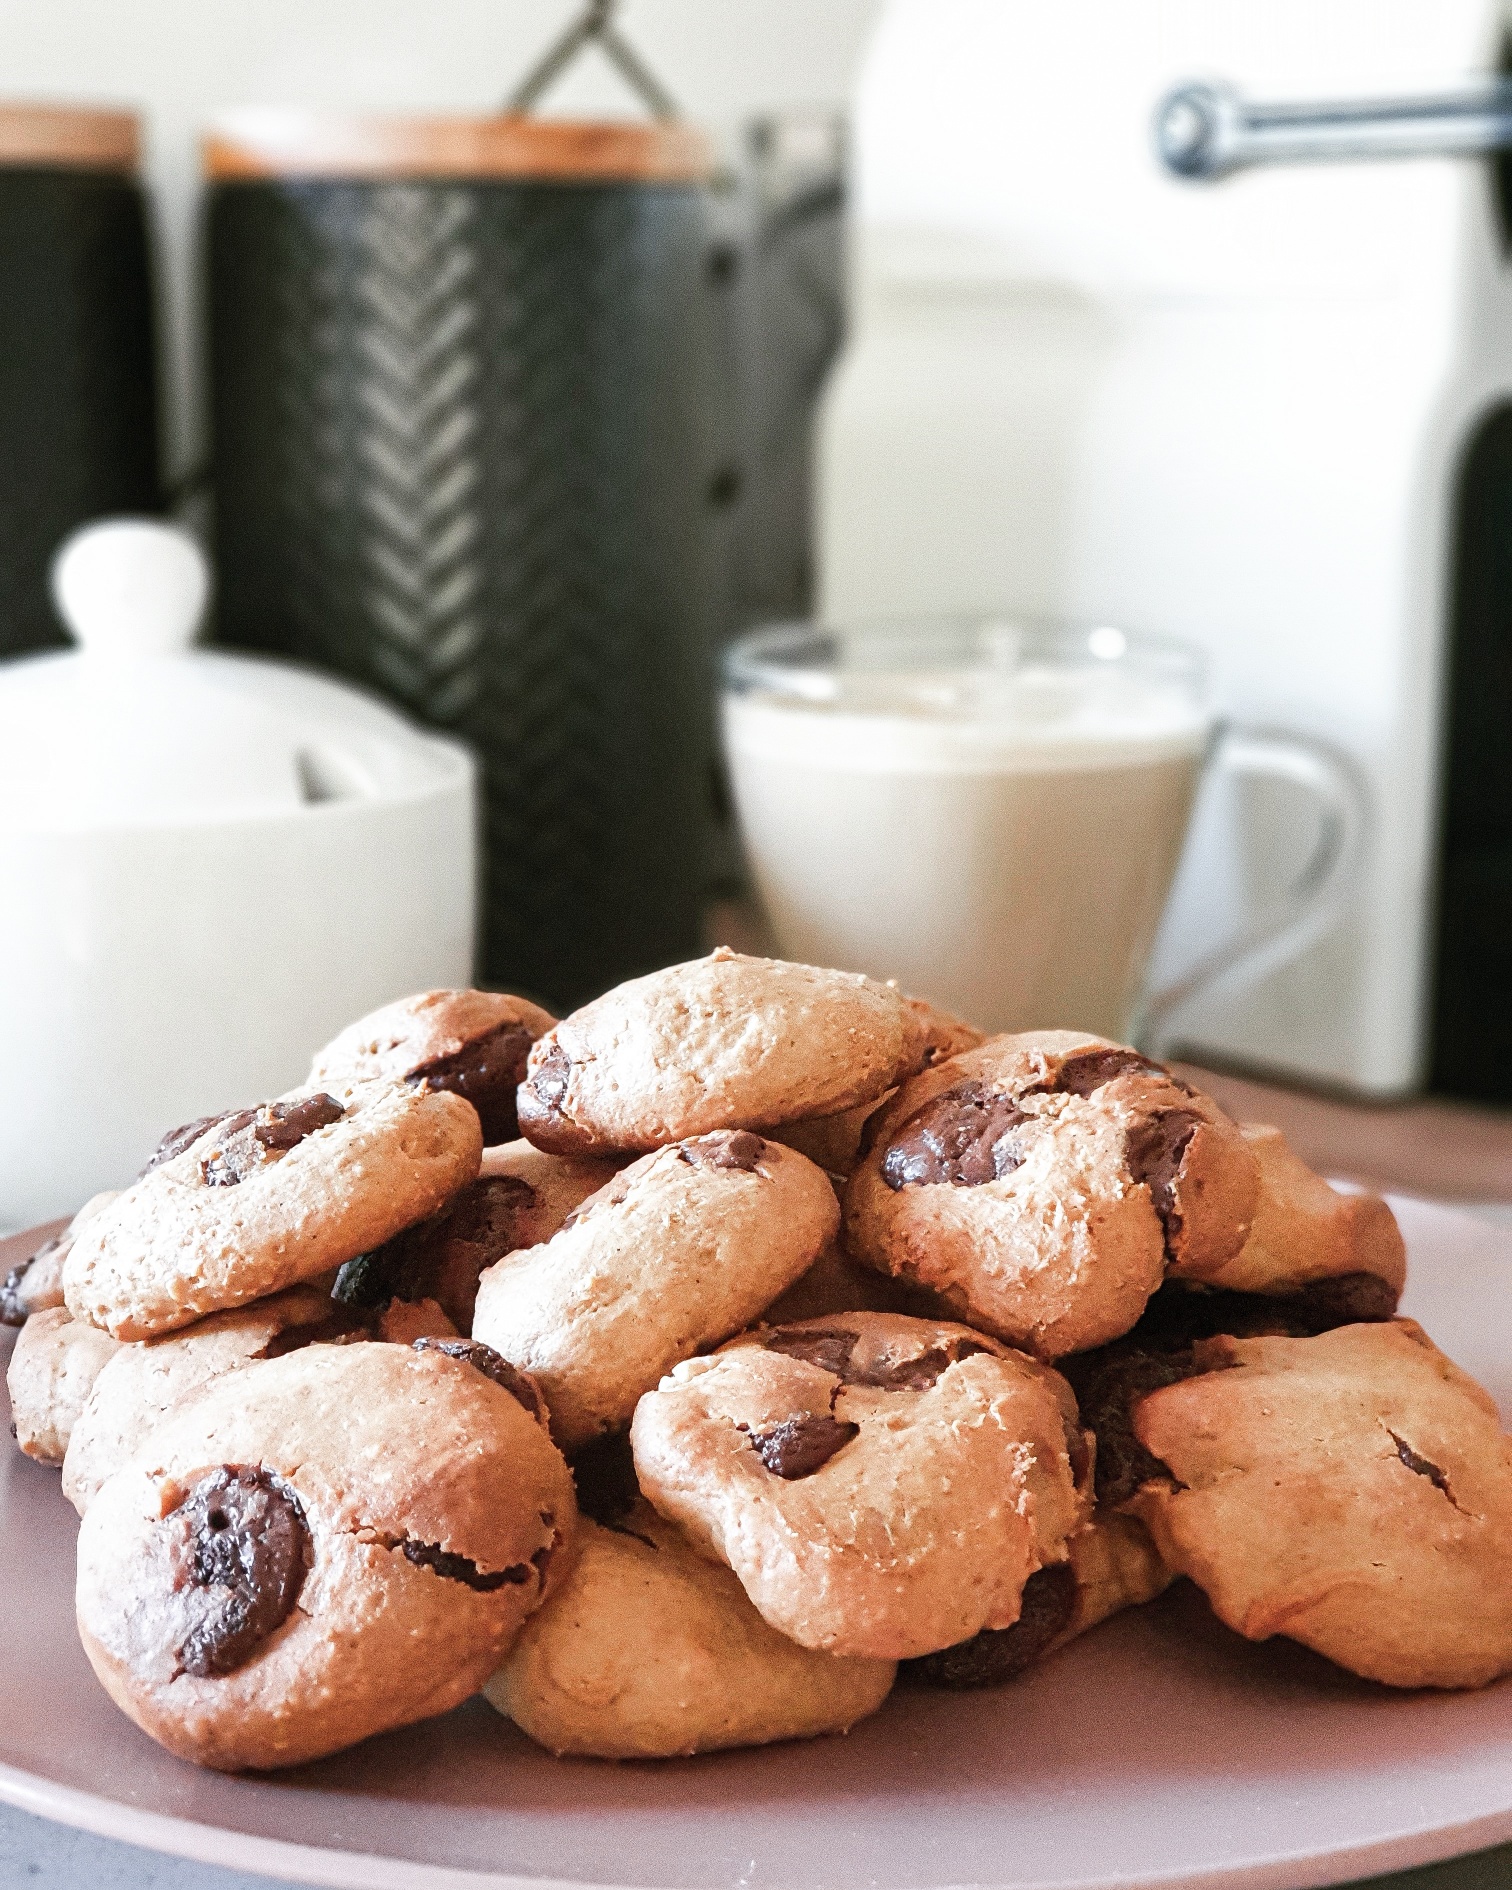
(594, 23)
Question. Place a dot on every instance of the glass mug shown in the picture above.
(993, 813)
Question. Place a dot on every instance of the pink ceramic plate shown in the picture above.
(1160, 1751)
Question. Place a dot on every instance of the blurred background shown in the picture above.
(181, 64)
(499, 368)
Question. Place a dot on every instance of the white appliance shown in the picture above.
(1266, 414)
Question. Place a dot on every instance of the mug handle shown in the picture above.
(1317, 895)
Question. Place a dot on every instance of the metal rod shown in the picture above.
(1207, 131)
(594, 23)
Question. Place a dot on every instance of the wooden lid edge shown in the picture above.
(75, 136)
(290, 144)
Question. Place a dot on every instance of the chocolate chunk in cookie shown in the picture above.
(486, 1073)
(522, 1197)
(800, 1445)
(963, 1138)
(483, 1358)
(997, 1655)
(736, 1148)
(1109, 1385)
(16, 1300)
(177, 1140)
(245, 1141)
(472, 1044)
(241, 1540)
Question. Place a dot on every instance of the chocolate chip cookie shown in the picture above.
(521, 1197)
(649, 1651)
(834, 1142)
(1110, 1565)
(883, 1486)
(837, 1284)
(1352, 1491)
(1304, 1232)
(684, 1247)
(472, 1043)
(264, 1198)
(36, 1284)
(1046, 1183)
(142, 1383)
(291, 1563)
(723, 1042)
(52, 1371)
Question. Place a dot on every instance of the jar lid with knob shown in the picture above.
(135, 726)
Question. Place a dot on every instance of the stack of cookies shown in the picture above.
(687, 1372)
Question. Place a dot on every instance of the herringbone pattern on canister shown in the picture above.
(464, 435)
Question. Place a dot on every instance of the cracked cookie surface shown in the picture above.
(319, 1547)
(882, 1486)
(1352, 1491)
(1046, 1183)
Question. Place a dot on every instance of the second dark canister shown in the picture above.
(469, 418)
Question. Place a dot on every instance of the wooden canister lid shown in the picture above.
(76, 137)
(296, 144)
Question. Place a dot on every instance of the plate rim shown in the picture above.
(332, 1869)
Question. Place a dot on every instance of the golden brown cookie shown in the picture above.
(647, 1650)
(35, 1284)
(521, 1197)
(291, 1563)
(725, 1042)
(1045, 1184)
(836, 1284)
(1304, 1231)
(683, 1247)
(834, 1142)
(1110, 1565)
(265, 1198)
(473, 1043)
(882, 1486)
(142, 1383)
(1352, 1491)
(52, 1371)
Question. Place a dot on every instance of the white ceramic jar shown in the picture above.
(208, 865)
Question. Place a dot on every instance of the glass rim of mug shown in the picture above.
(802, 660)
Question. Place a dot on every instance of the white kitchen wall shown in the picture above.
(182, 61)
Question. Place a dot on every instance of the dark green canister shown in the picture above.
(78, 400)
(469, 418)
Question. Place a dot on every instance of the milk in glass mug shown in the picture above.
(992, 813)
